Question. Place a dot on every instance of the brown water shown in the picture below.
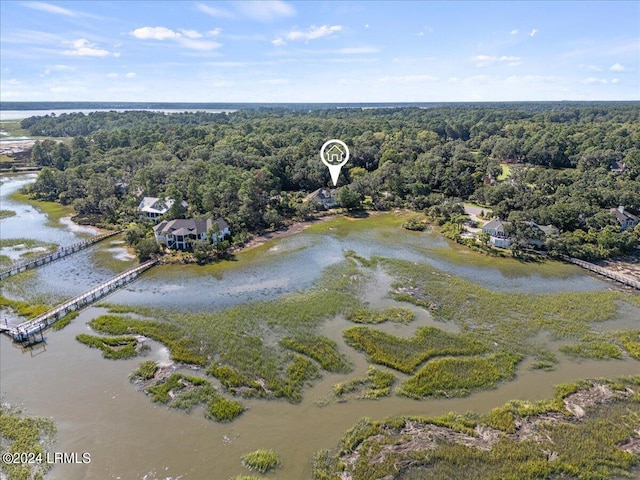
(97, 410)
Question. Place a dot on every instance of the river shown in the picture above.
(97, 410)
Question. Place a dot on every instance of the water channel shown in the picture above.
(97, 410)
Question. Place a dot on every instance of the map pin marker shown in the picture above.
(334, 154)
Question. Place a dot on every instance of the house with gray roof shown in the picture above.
(154, 207)
(324, 197)
(624, 218)
(180, 234)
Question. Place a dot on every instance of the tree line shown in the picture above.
(253, 167)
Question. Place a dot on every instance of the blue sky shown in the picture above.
(346, 51)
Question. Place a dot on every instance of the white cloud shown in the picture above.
(594, 80)
(221, 84)
(366, 25)
(533, 32)
(215, 11)
(421, 34)
(528, 79)
(191, 33)
(215, 32)
(265, 10)
(130, 74)
(617, 67)
(154, 33)
(112, 75)
(514, 32)
(278, 42)
(594, 68)
(187, 38)
(615, 80)
(84, 48)
(47, 7)
(486, 60)
(314, 32)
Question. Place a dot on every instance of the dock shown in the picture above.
(27, 333)
(50, 257)
(605, 272)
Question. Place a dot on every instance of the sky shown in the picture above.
(328, 51)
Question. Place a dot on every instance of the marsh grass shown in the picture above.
(113, 348)
(7, 214)
(242, 345)
(182, 348)
(375, 384)
(511, 320)
(146, 371)
(458, 377)
(64, 321)
(405, 354)
(322, 350)
(53, 210)
(596, 349)
(560, 446)
(22, 433)
(261, 460)
(24, 309)
(391, 314)
(630, 340)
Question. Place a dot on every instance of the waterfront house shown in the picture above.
(624, 218)
(180, 234)
(324, 197)
(153, 207)
(497, 230)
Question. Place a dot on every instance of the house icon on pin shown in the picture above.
(334, 155)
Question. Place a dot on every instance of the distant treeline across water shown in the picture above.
(257, 106)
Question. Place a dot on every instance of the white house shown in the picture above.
(624, 218)
(496, 229)
(153, 207)
(180, 234)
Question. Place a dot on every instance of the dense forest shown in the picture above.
(253, 167)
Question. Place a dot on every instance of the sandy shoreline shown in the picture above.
(292, 229)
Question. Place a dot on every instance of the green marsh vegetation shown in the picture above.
(146, 371)
(27, 244)
(508, 319)
(7, 213)
(391, 314)
(405, 355)
(630, 341)
(241, 346)
(375, 384)
(113, 348)
(322, 350)
(53, 210)
(64, 321)
(24, 309)
(184, 392)
(457, 377)
(22, 433)
(261, 460)
(521, 440)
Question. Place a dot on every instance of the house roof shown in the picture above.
(496, 224)
(157, 205)
(188, 226)
(623, 216)
(322, 194)
(617, 166)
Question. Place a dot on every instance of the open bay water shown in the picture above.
(97, 410)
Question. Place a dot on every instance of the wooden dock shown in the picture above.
(27, 332)
(605, 272)
(50, 257)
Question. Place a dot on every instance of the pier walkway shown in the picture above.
(605, 272)
(27, 332)
(50, 257)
